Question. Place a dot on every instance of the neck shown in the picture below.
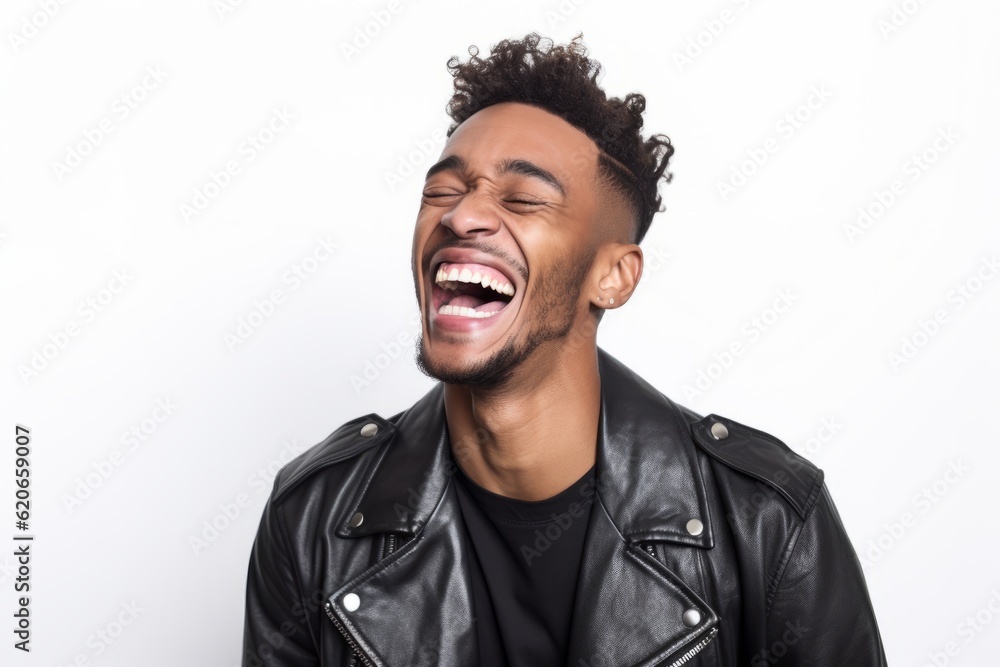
(537, 435)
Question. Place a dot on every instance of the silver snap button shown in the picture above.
(694, 527)
(369, 430)
(357, 519)
(691, 618)
(351, 602)
(720, 431)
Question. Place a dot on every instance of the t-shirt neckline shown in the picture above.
(529, 511)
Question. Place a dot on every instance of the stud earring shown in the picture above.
(611, 301)
(600, 298)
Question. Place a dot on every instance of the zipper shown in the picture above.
(391, 542)
(702, 643)
(694, 650)
(356, 651)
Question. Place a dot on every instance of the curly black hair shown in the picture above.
(563, 81)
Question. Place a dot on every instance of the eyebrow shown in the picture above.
(525, 168)
(450, 163)
(505, 166)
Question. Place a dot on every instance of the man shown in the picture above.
(543, 504)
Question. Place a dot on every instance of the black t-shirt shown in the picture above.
(525, 560)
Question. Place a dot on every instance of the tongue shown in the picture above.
(477, 304)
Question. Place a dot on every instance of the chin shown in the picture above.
(486, 370)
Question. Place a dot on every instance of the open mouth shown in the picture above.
(471, 290)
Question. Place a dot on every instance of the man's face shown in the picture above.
(510, 204)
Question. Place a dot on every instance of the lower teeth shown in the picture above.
(463, 311)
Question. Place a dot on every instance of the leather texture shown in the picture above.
(360, 558)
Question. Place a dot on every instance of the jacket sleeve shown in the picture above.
(276, 631)
(819, 609)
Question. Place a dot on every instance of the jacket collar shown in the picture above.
(415, 605)
(647, 473)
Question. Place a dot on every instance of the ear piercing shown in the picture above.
(611, 301)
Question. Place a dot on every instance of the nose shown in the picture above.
(473, 215)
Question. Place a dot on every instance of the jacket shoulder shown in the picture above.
(349, 440)
(761, 456)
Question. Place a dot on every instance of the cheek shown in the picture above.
(428, 220)
(548, 247)
(423, 232)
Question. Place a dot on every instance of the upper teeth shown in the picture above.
(497, 284)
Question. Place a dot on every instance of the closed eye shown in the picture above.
(524, 205)
(440, 198)
(520, 202)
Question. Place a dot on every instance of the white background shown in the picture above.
(820, 377)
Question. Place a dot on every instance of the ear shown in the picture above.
(620, 265)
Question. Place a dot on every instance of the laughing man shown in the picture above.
(543, 505)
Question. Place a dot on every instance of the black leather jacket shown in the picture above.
(709, 543)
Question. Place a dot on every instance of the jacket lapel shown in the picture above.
(629, 608)
(415, 606)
